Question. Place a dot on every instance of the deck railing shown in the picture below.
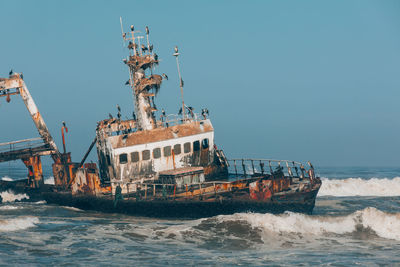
(21, 144)
(243, 168)
(175, 119)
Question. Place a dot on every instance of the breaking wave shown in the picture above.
(360, 187)
(386, 225)
(9, 196)
(6, 178)
(22, 223)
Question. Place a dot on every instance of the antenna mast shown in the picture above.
(176, 54)
(148, 43)
(122, 31)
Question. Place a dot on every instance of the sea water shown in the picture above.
(356, 220)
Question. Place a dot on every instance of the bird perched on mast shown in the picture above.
(144, 48)
(119, 112)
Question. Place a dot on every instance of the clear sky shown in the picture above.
(302, 80)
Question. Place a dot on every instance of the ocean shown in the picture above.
(356, 220)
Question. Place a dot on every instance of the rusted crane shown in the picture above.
(30, 150)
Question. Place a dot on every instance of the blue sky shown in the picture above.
(301, 80)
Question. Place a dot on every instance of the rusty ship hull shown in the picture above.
(302, 202)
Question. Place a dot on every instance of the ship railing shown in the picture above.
(176, 119)
(21, 144)
(243, 168)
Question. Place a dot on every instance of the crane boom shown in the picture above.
(29, 152)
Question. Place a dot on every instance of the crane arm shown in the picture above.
(16, 85)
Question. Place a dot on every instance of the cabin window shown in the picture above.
(177, 149)
(157, 153)
(196, 145)
(205, 144)
(167, 151)
(186, 147)
(123, 158)
(145, 154)
(135, 156)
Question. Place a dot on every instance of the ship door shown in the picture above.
(205, 152)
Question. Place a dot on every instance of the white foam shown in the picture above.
(49, 180)
(6, 178)
(9, 207)
(386, 225)
(360, 187)
(22, 223)
(9, 196)
(71, 208)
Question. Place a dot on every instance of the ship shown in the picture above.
(156, 164)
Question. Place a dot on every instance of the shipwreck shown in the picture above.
(155, 164)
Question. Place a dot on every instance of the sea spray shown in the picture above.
(9, 196)
(360, 187)
(15, 224)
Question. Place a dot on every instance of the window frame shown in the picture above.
(179, 151)
(158, 154)
(133, 157)
(167, 149)
(143, 155)
(196, 146)
(125, 155)
(185, 145)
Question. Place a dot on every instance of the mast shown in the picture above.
(144, 87)
(176, 54)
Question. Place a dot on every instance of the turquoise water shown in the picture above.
(356, 221)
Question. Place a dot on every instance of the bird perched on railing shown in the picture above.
(204, 112)
(190, 110)
(144, 48)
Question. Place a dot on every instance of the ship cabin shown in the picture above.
(127, 155)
